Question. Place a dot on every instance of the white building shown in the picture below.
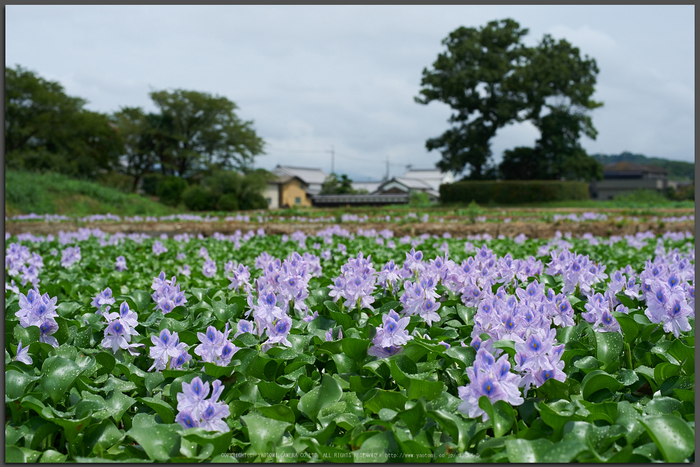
(396, 185)
(432, 177)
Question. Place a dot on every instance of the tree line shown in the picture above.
(192, 135)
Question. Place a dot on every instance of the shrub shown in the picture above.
(513, 191)
(150, 183)
(418, 198)
(254, 201)
(197, 198)
(228, 202)
(121, 182)
(170, 190)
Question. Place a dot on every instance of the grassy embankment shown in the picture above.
(52, 193)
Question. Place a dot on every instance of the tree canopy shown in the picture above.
(334, 185)
(490, 79)
(205, 133)
(45, 129)
(192, 132)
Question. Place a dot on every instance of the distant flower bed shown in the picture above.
(343, 346)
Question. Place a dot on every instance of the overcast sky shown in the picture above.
(312, 77)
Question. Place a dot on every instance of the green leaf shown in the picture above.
(500, 414)
(527, 451)
(341, 318)
(220, 442)
(160, 442)
(278, 412)
(563, 452)
(118, 404)
(162, 408)
(68, 309)
(421, 388)
(465, 356)
(17, 455)
(52, 457)
(16, 384)
(273, 391)
(104, 434)
(216, 371)
(609, 350)
(106, 361)
(377, 399)
(415, 417)
(455, 426)
(355, 348)
(224, 312)
(630, 328)
(672, 435)
(57, 376)
(597, 380)
(329, 392)
(378, 448)
(141, 299)
(264, 433)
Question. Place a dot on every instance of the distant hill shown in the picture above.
(677, 170)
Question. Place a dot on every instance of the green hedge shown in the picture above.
(513, 191)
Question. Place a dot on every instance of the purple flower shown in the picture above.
(243, 327)
(384, 352)
(120, 264)
(70, 256)
(195, 410)
(165, 347)
(103, 298)
(215, 346)
(47, 328)
(329, 334)
(23, 354)
(278, 332)
(118, 335)
(489, 378)
(209, 268)
(158, 248)
(393, 331)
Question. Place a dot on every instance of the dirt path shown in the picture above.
(511, 229)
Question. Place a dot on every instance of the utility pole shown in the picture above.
(332, 151)
(386, 176)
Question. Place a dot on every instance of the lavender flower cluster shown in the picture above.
(19, 260)
(355, 283)
(39, 310)
(167, 295)
(282, 285)
(120, 328)
(195, 410)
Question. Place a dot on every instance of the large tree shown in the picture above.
(490, 79)
(45, 129)
(206, 132)
(479, 78)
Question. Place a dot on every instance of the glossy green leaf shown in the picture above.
(500, 413)
(329, 392)
(162, 408)
(57, 376)
(609, 350)
(673, 436)
(160, 442)
(264, 433)
(597, 380)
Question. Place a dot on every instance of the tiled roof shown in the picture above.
(309, 175)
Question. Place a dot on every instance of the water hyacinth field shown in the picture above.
(341, 347)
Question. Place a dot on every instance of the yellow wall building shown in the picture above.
(286, 191)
